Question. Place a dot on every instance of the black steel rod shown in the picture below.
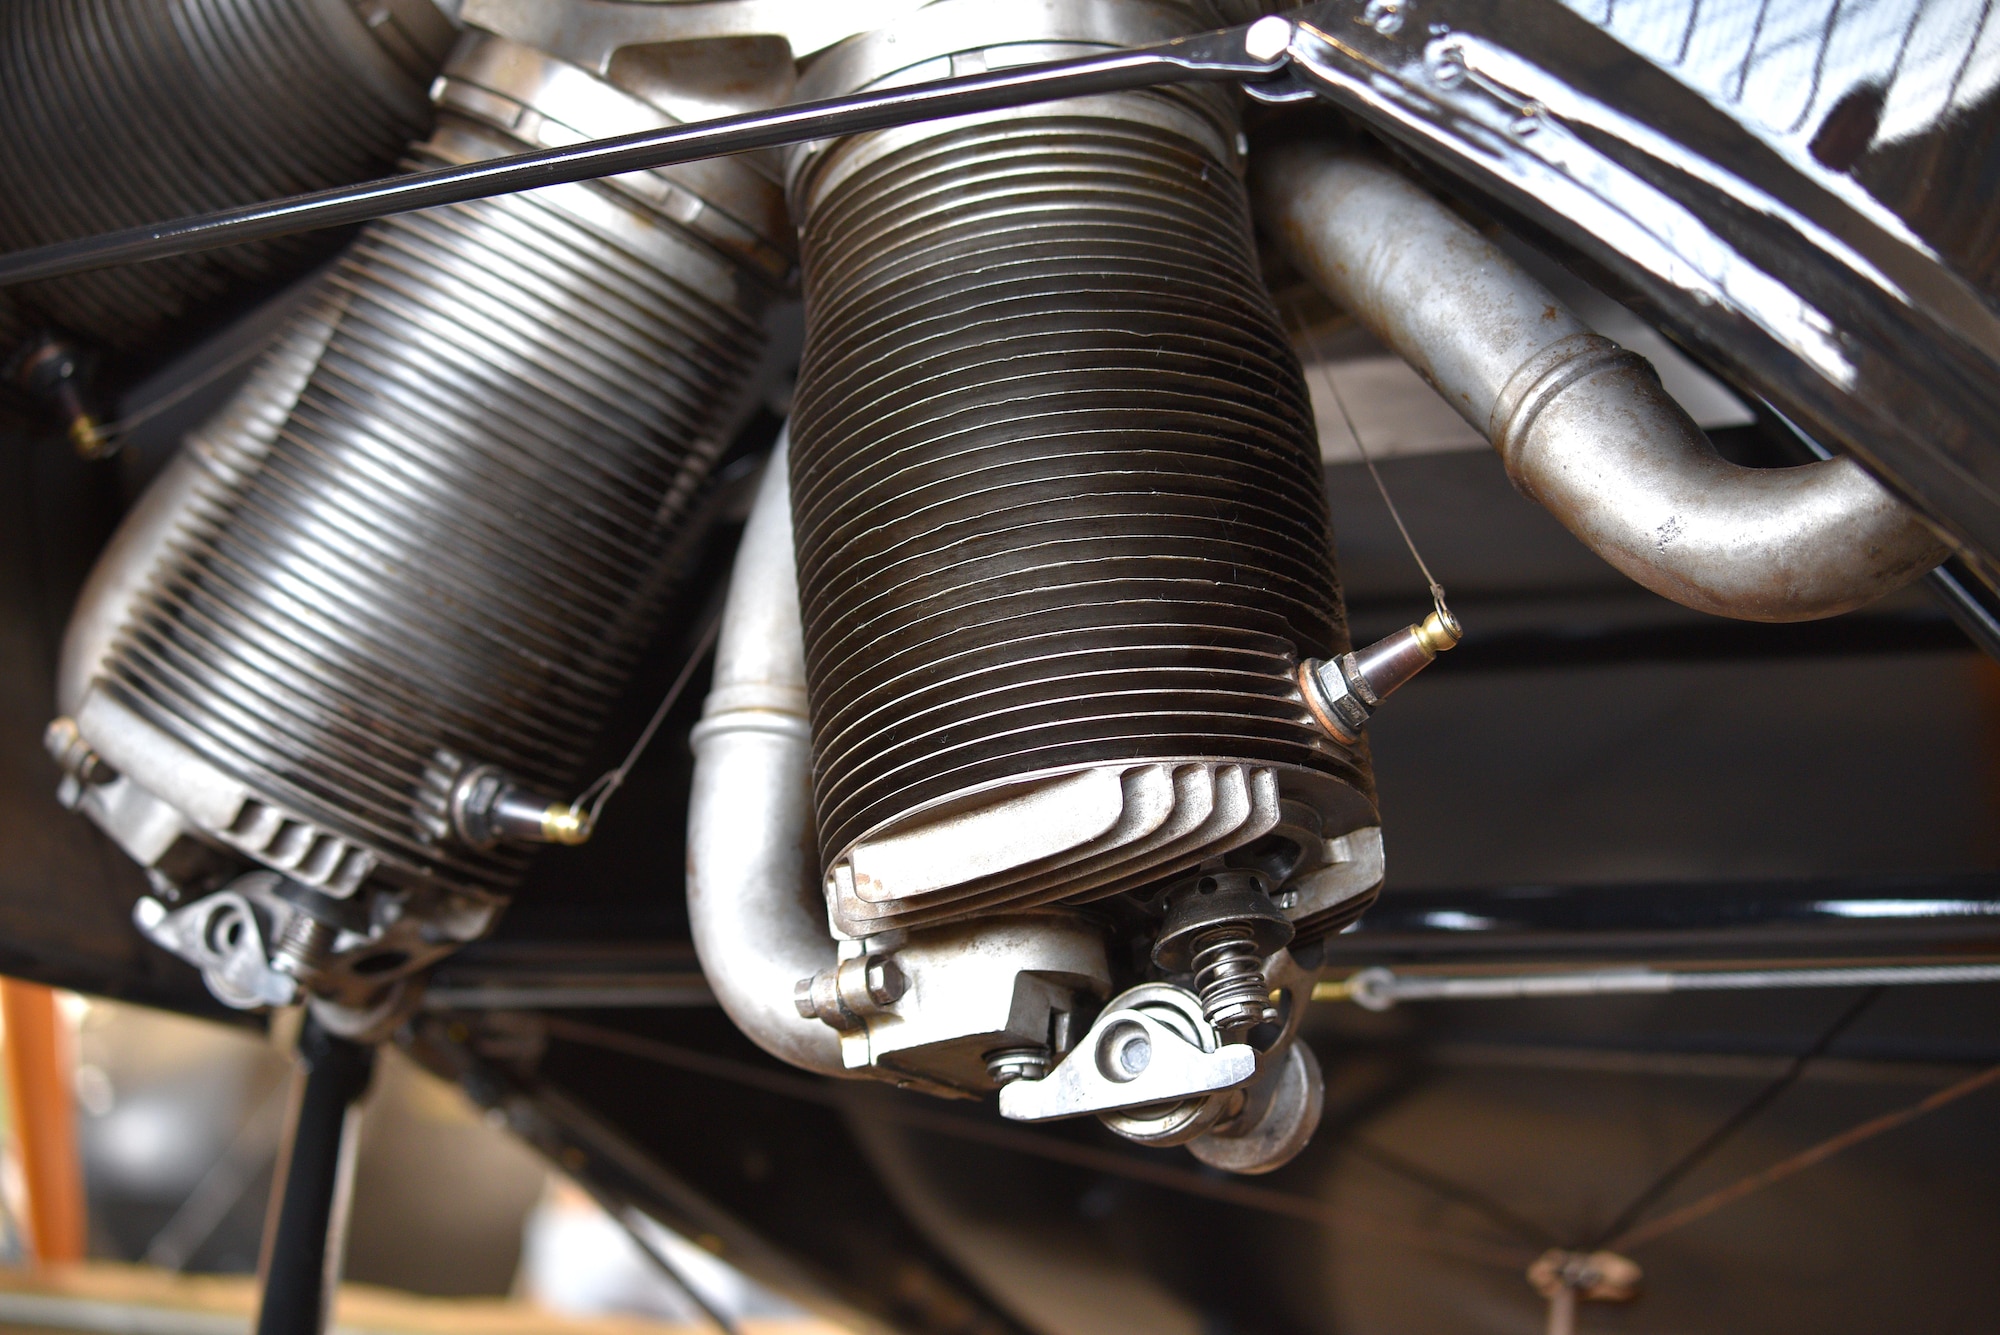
(1208, 57)
(298, 1267)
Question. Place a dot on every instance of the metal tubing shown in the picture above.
(1583, 425)
(753, 891)
(302, 1252)
(1379, 989)
(1205, 58)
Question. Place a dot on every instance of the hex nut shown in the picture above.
(886, 980)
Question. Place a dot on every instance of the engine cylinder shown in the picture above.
(461, 538)
(1061, 528)
(125, 112)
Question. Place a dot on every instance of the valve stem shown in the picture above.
(1221, 926)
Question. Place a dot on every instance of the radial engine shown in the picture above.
(1034, 757)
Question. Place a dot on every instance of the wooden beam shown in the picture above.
(42, 1107)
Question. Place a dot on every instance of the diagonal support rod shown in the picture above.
(1252, 53)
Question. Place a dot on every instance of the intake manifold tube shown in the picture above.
(754, 899)
(1583, 425)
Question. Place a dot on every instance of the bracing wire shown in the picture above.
(592, 799)
(1322, 367)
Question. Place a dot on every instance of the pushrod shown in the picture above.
(1224, 55)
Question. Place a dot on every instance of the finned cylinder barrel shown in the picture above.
(120, 113)
(455, 549)
(1058, 498)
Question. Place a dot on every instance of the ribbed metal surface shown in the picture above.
(1057, 497)
(460, 541)
(115, 113)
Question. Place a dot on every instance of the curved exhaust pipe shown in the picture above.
(1583, 425)
(753, 890)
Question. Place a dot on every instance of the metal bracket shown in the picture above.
(223, 936)
(1130, 1059)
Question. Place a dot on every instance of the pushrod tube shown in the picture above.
(302, 1250)
(1221, 56)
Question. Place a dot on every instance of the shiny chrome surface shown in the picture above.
(1072, 536)
(1584, 426)
(753, 895)
(121, 112)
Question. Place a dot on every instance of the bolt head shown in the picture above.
(802, 999)
(1124, 1052)
(886, 980)
(1268, 37)
(1384, 16)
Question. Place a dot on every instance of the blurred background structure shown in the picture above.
(149, 1217)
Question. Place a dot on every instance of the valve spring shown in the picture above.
(126, 112)
(1229, 976)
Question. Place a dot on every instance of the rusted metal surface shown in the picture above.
(1583, 425)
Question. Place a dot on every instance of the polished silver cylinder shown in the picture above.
(461, 538)
(118, 113)
(1057, 495)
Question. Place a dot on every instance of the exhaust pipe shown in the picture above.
(753, 890)
(1583, 425)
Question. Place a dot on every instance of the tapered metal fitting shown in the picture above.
(54, 372)
(489, 807)
(74, 756)
(303, 944)
(565, 823)
(1343, 693)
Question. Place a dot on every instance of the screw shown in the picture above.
(302, 945)
(886, 980)
(1124, 1052)
(1006, 1065)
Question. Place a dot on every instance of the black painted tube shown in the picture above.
(299, 1272)
(1207, 57)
